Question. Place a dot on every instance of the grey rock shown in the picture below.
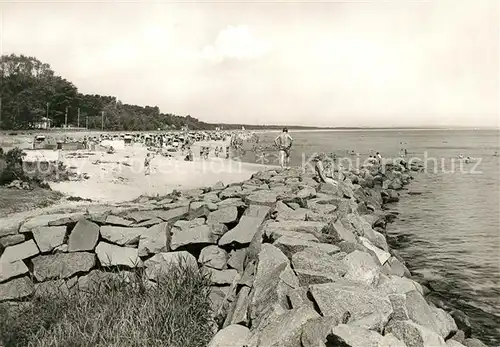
(397, 285)
(213, 257)
(164, 262)
(41, 221)
(265, 198)
(224, 215)
(315, 331)
(172, 215)
(199, 235)
(17, 288)
(362, 268)
(339, 233)
(63, 265)
(247, 227)
(116, 220)
(221, 277)
(472, 342)
(10, 225)
(113, 255)
(353, 336)
(381, 255)
(121, 235)
(396, 268)
(365, 306)
(11, 240)
(240, 314)
(237, 259)
(285, 330)
(155, 239)
(83, 237)
(273, 280)
(48, 238)
(51, 289)
(414, 335)
(445, 324)
(291, 245)
(233, 335)
(12, 269)
(20, 251)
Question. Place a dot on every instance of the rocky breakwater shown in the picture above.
(293, 262)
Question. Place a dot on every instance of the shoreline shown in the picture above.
(348, 222)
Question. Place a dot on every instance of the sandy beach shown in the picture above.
(120, 176)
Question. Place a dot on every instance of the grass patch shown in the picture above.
(175, 313)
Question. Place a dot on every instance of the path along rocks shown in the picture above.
(293, 263)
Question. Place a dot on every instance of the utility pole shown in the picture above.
(78, 121)
(87, 122)
(48, 120)
(0, 113)
(102, 120)
(66, 118)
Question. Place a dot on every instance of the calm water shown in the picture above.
(450, 234)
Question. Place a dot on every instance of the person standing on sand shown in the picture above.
(284, 143)
(147, 164)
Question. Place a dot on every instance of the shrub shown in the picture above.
(175, 312)
(11, 166)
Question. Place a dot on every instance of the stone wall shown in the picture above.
(292, 262)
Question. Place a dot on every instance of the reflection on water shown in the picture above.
(450, 233)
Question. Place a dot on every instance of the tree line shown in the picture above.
(31, 91)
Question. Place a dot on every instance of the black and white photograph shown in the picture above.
(229, 173)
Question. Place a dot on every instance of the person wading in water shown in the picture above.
(284, 143)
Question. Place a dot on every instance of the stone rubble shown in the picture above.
(294, 263)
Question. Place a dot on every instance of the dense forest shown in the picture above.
(31, 92)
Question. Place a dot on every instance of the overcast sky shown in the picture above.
(367, 63)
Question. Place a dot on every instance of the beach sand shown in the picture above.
(121, 177)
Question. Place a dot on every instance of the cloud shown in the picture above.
(235, 42)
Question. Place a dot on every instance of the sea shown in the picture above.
(448, 226)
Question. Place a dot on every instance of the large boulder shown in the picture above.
(266, 198)
(83, 237)
(381, 255)
(17, 288)
(41, 221)
(285, 330)
(11, 240)
(48, 238)
(291, 245)
(314, 266)
(413, 334)
(163, 262)
(365, 306)
(315, 331)
(247, 227)
(10, 269)
(352, 336)
(231, 336)
(62, 265)
(339, 233)
(199, 235)
(20, 251)
(155, 239)
(213, 257)
(224, 215)
(274, 278)
(121, 235)
(113, 255)
(362, 268)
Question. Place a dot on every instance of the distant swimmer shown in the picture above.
(496, 154)
(284, 143)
